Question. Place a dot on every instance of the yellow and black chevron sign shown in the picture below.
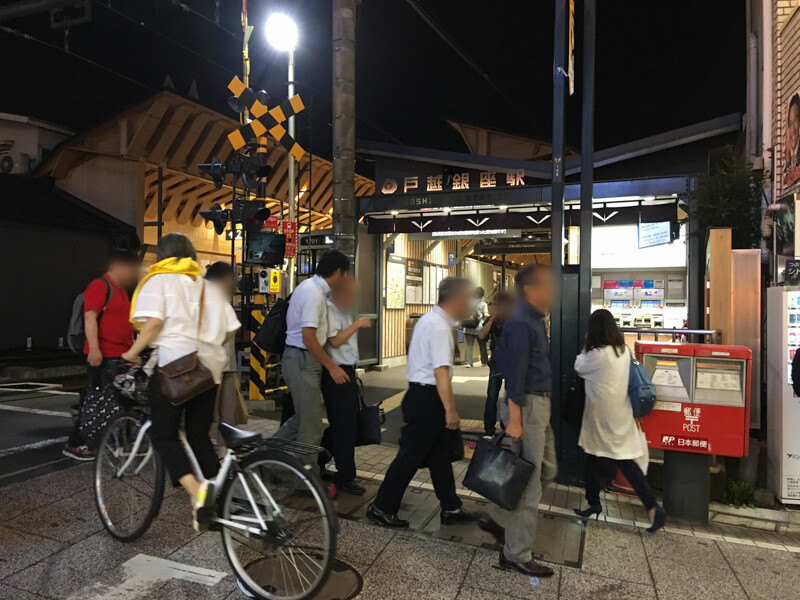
(265, 120)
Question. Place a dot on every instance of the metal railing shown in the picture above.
(709, 336)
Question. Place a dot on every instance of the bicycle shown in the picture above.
(277, 523)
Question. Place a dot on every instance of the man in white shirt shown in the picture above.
(342, 399)
(304, 358)
(429, 411)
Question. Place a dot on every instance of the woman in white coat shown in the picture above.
(609, 434)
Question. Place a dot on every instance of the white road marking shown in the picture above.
(35, 411)
(33, 468)
(33, 446)
(142, 573)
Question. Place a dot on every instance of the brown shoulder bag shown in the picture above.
(186, 377)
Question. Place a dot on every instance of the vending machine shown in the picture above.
(783, 407)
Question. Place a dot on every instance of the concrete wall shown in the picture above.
(113, 185)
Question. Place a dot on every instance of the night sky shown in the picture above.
(660, 65)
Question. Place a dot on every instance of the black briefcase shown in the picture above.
(370, 420)
(455, 444)
(498, 474)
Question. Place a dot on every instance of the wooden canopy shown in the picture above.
(177, 134)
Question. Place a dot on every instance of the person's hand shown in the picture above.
(338, 374)
(131, 358)
(514, 431)
(95, 358)
(364, 322)
(451, 419)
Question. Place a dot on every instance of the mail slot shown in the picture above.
(703, 397)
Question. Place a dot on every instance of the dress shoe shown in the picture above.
(592, 511)
(385, 519)
(489, 525)
(460, 515)
(530, 568)
(352, 488)
(659, 519)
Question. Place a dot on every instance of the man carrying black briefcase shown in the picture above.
(523, 356)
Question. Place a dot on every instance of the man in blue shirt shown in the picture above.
(523, 356)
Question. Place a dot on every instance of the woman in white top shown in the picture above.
(609, 433)
(167, 306)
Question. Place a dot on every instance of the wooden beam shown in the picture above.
(430, 247)
(189, 137)
(196, 199)
(464, 252)
(388, 241)
(175, 197)
(148, 126)
(203, 152)
(169, 133)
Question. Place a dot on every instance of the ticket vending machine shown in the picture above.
(703, 397)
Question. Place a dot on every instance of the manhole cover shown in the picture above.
(343, 583)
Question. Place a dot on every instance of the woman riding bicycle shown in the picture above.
(179, 314)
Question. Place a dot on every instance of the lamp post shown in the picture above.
(281, 33)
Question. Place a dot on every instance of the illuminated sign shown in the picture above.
(655, 234)
(455, 181)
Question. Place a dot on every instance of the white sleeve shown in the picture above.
(151, 301)
(334, 323)
(231, 322)
(587, 363)
(441, 354)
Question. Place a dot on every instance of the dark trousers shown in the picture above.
(492, 394)
(197, 415)
(469, 342)
(424, 442)
(599, 470)
(341, 404)
(97, 377)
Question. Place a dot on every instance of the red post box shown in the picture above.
(703, 393)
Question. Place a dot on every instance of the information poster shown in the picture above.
(395, 284)
(414, 282)
(433, 283)
(426, 284)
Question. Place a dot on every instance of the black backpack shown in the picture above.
(76, 333)
(271, 336)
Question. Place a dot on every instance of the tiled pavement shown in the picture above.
(52, 546)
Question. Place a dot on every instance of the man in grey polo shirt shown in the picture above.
(304, 358)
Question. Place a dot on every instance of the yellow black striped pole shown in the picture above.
(258, 358)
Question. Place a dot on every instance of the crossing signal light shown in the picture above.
(254, 214)
(216, 170)
(217, 216)
(252, 169)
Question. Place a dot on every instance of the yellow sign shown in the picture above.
(274, 281)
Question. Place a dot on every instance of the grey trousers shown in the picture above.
(303, 374)
(538, 447)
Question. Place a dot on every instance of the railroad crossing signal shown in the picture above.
(265, 120)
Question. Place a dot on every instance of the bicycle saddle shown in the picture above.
(234, 438)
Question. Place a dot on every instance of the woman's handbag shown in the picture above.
(370, 419)
(100, 407)
(572, 411)
(497, 474)
(186, 377)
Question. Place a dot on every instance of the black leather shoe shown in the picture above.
(352, 488)
(489, 525)
(385, 519)
(460, 515)
(530, 568)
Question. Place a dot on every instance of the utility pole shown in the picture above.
(344, 126)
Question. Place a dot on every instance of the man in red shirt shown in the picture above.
(109, 333)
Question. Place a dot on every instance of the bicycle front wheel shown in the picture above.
(278, 527)
(128, 478)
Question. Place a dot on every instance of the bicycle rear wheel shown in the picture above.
(128, 478)
(290, 547)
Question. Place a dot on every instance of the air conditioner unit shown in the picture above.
(15, 162)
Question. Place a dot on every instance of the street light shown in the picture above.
(281, 32)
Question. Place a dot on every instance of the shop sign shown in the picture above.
(792, 272)
(625, 283)
(610, 284)
(648, 283)
(638, 283)
(456, 181)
